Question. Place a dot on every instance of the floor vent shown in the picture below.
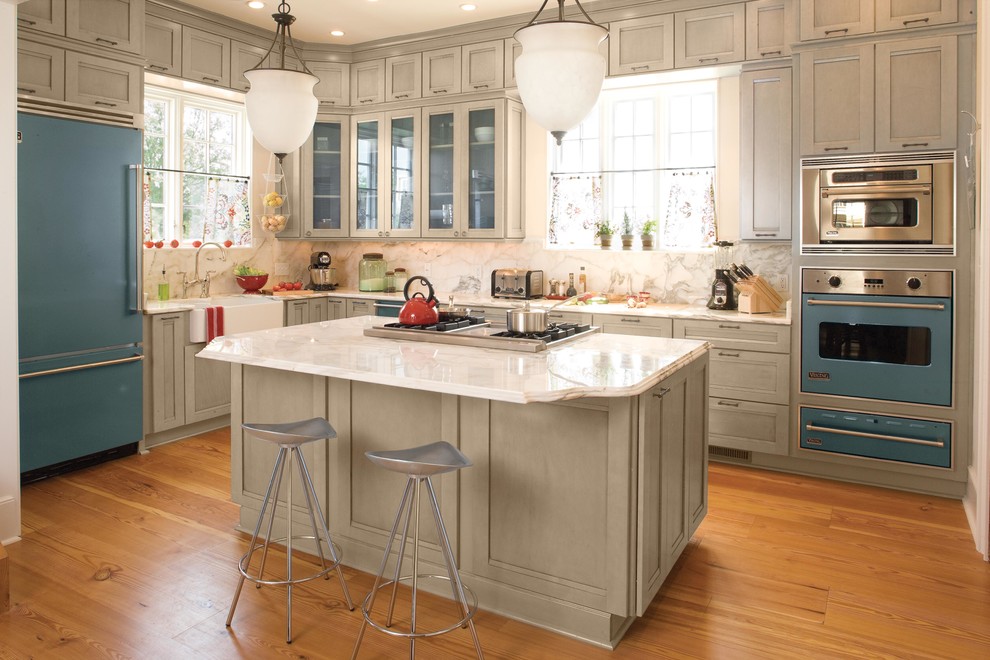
(726, 454)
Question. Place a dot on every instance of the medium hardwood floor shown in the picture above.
(135, 559)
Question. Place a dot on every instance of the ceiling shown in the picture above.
(370, 20)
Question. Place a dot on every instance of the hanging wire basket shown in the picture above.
(274, 202)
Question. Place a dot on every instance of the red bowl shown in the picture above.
(251, 283)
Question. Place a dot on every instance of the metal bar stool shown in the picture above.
(419, 464)
(289, 437)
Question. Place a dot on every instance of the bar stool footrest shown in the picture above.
(330, 564)
(461, 623)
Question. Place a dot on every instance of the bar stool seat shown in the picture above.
(289, 437)
(419, 464)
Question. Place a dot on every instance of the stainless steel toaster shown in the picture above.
(517, 283)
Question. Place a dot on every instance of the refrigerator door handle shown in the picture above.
(138, 235)
(80, 367)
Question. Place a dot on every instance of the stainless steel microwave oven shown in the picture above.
(870, 202)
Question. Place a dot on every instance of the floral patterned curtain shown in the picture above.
(228, 211)
(575, 207)
(689, 220)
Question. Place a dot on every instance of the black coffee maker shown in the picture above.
(321, 276)
(723, 294)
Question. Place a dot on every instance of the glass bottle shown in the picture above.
(400, 279)
(583, 281)
(571, 291)
(390, 281)
(371, 272)
(163, 287)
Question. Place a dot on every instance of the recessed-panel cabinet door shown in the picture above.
(43, 15)
(824, 19)
(40, 70)
(443, 201)
(368, 182)
(442, 72)
(482, 66)
(403, 167)
(404, 77)
(163, 46)
(112, 23)
(641, 44)
(205, 57)
(243, 57)
(368, 82)
(102, 82)
(765, 171)
(324, 167)
(770, 29)
(916, 94)
(837, 100)
(710, 36)
(906, 14)
(334, 86)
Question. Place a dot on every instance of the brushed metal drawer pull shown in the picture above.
(734, 355)
(25, 90)
(770, 52)
(915, 20)
(876, 436)
(731, 404)
(836, 148)
(80, 367)
(702, 60)
(628, 320)
(367, 100)
(328, 102)
(172, 318)
(439, 91)
(108, 42)
(105, 103)
(401, 96)
(758, 235)
(157, 67)
(915, 144)
(642, 67)
(481, 86)
(728, 327)
(26, 21)
(839, 31)
(663, 391)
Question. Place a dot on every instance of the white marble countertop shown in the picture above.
(595, 365)
(657, 310)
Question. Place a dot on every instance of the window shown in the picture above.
(644, 154)
(196, 151)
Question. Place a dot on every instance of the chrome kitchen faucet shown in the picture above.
(204, 283)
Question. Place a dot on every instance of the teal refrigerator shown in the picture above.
(79, 305)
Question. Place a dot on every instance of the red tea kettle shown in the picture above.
(419, 309)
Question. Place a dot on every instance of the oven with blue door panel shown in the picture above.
(877, 334)
(906, 440)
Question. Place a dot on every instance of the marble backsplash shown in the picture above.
(453, 267)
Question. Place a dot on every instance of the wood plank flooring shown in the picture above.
(135, 559)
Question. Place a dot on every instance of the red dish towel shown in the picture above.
(214, 323)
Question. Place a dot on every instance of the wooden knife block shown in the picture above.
(756, 296)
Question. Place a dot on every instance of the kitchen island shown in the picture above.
(590, 458)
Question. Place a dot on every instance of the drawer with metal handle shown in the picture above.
(900, 439)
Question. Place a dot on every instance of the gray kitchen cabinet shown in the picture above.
(765, 172)
(297, 312)
(117, 24)
(40, 70)
(474, 167)
(638, 45)
(360, 307)
(634, 324)
(482, 66)
(512, 51)
(334, 86)
(367, 82)
(168, 365)
(916, 94)
(42, 15)
(837, 112)
(710, 36)
(336, 308)
(749, 389)
(770, 29)
(205, 57)
(319, 310)
(906, 14)
(322, 210)
(163, 46)
(442, 72)
(243, 57)
(207, 386)
(104, 83)
(404, 77)
(826, 19)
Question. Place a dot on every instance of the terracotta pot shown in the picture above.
(606, 241)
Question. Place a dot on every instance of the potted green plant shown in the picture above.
(604, 230)
(647, 231)
(627, 231)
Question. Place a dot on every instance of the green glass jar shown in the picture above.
(371, 272)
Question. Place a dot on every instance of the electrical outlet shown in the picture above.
(281, 268)
(782, 283)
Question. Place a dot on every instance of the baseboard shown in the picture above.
(10, 519)
(4, 580)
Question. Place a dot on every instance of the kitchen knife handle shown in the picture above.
(80, 367)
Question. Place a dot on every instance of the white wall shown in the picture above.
(10, 460)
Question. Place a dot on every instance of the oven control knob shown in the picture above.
(914, 283)
(834, 281)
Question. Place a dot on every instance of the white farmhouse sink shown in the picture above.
(241, 313)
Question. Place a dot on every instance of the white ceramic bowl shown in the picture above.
(484, 134)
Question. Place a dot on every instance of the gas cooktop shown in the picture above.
(473, 331)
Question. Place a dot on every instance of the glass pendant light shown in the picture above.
(560, 70)
(281, 106)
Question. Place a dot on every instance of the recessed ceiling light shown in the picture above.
(256, 4)
(336, 33)
(469, 7)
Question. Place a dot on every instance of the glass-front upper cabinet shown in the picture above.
(368, 177)
(404, 173)
(317, 177)
(471, 194)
